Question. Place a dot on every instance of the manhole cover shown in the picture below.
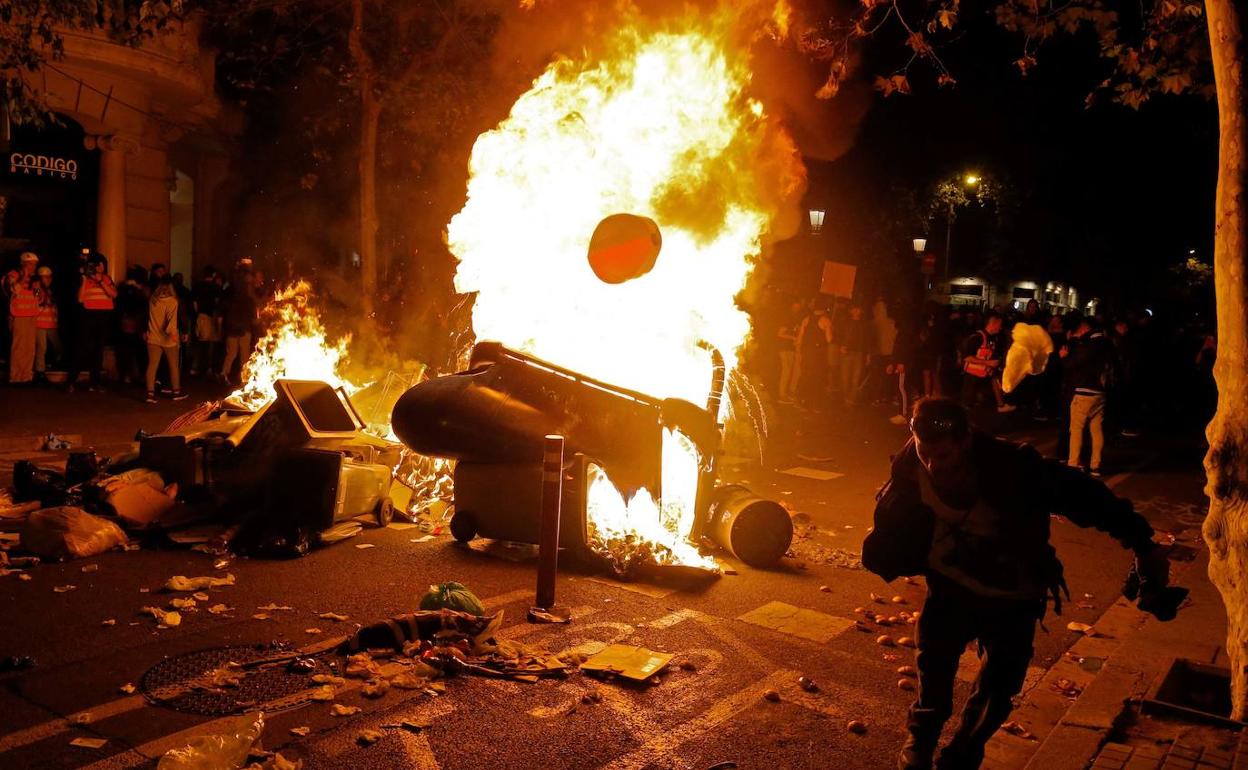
(187, 682)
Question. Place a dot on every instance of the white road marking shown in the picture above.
(667, 621)
(113, 708)
(664, 742)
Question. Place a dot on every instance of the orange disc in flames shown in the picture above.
(624, 247)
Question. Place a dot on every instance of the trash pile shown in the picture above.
(300, 471)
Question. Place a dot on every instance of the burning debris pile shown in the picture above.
(278, 466)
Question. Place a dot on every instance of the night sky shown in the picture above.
(1094, 195)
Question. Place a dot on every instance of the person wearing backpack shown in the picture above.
(971, 514)
(982, 355)
(163, 338)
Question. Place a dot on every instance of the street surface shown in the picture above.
(736, 641)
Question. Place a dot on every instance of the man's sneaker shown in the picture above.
(1006, 408)
(151, 397)
(178, 395)
(1095, 473)
(1130, 433)
(898, 419)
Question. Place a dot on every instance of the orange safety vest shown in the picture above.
(93, 296)
(25, 301)
(47, 317)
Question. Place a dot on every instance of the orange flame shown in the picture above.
(660, 126)
(295, 346)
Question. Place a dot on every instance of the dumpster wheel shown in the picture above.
(384, 511)
(463, 526)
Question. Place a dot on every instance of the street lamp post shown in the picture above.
(816, 220)
(970, 180)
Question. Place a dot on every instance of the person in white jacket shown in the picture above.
(163, 338)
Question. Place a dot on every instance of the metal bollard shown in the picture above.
(548, 540)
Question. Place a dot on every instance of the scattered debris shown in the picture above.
(857, 727)
(826, 589)
(312, 630)
(906, 641)
(362, 666)
(89, 743)
(81, 718)
(1067, 688)
(807, 684)
(227, 749)
(878, 599)
(184, 584)
(63, 589)
(362, 546)
(368, 737)
(182, 604)
(1082, 628)
(907, 671)
(553, 615)
(199, 596)
(334, 616)
(771, 695)
(128, 689)
(884, 640)
(340, 710)
(219, 609)
(109, 622)
(375, 688)
(906, 684)
(323, 694)
(635, 663)
(899, 599)
(91, 568)
(591, 696)
(260, 616)
(302, 731)
(1015, 728)
(163, 618)
(275, 608)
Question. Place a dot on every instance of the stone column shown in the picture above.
(110, 220)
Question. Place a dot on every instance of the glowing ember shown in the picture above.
(295, 347)
(660, 126)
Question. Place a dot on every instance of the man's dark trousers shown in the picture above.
(952, 618)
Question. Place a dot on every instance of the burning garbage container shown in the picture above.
(492, 418)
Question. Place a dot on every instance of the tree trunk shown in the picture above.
(1226, 464)
(370, 109)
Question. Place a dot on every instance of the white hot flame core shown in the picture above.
(589, 140)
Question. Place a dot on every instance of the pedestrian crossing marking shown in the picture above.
(795, 621)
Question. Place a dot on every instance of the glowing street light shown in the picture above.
(972, 180)
(920, 246)
(816, 220)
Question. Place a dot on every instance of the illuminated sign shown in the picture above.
(43, 164)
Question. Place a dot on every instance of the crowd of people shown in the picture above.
(1104, 373)
(159, 329)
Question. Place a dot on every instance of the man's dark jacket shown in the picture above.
(1021, 486)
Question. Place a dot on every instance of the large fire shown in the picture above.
(660, 126)
(295, 346)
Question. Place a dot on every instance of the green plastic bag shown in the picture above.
(451, 596)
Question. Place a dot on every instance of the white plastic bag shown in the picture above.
(226, 749)
(1028, 355)
(69, 533)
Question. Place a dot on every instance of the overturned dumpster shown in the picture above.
(288, 472)
(639, 476)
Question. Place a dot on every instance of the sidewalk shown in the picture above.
(1085, 712)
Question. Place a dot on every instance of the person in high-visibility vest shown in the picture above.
(96, 295)
(22, 288)
(47, 324)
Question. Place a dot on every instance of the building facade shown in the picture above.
(133, 164)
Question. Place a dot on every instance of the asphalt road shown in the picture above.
(692, 719)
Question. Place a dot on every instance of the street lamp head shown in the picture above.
(816, 220)
(972, 179)
(920, 245)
